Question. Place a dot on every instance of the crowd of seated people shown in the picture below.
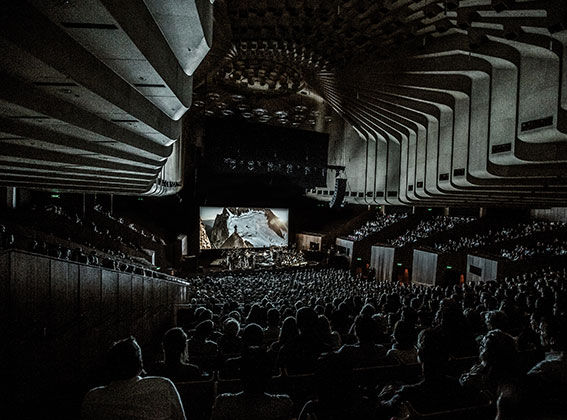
(132, 226)
(376, 225)
(427, 228)
(69, 251)
(330, 324)
(539, 249)
(505, 233)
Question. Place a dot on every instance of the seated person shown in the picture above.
(549, 377)
(272, 331)
(129, 396)
(403, 350)
(253, 403)
(300, 354)
(498, 357)
(174, 366)
(199, 344)
(230, 342)
(436, 391)
(365, 352)
(252, 337)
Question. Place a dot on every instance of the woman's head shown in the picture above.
(124, 359)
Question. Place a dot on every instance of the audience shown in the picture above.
(427, 228)
(495, 235)
(334, 323)
(374, 226)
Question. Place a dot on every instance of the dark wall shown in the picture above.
(58, 319)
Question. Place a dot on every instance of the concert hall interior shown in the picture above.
(287, 209)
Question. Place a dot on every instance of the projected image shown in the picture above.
(243, 227)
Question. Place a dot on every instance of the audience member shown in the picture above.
(436, 391)
(253, 403)
(300, 353)
(403, 349)
(199, 344)
(365, 352)
(174, 365)
(129, 396)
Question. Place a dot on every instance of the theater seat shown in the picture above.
(197, 398)
(485, 410)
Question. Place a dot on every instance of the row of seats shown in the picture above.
(198, 396)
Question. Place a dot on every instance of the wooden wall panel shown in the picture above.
(110, 330)
(89, 296)
(29, 293)
(109, 293)
(138, 328)
(64, 335)
(4, 293)
(124, 302)
(137, 296)
(64, 296)
(149, 302)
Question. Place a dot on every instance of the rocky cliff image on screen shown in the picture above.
(243, 227)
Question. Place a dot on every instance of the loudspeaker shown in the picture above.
(339, 194)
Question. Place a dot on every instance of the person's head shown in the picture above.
(368, 310)
(431, 351)
(496, 320)
(255, 370)
(204, 329)
(231, 327)
(252, 335)
(323, 325)
(365, 329)
(124, 359)
(553, 333)
(289, 330)
(498, 353)
(306, 320)
(273, 317)
(404, 334)
(174, 342)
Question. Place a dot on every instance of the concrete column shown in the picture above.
(11, 197)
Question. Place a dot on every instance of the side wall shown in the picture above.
(59, 317)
